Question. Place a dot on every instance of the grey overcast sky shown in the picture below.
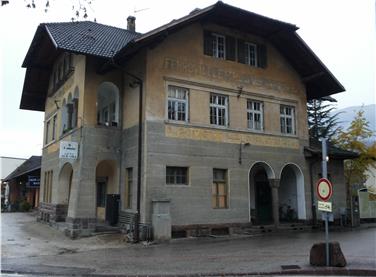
(342, 33)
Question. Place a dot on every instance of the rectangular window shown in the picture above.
(219, 46)
(177, 103)
(128, 188)
(218, 110)
(47, 138)
(54, 122)
(255, 115)
(45, 186)
(50, 187)
(176, 175)
(219, 189)
(287, 118)
(251, 54)
(47, 190)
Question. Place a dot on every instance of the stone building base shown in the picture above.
(197, 230)
(80, 227)
(52, 213)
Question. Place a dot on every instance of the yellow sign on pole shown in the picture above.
(325, 206)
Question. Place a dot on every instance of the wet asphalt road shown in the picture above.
(28, 246)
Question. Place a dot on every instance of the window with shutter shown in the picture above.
(262, 57)
(208, 43)
(241, 51)
(230, 48)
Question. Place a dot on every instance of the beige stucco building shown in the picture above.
(223, 141)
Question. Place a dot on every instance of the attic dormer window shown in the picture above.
(251, 53)
(219, 46)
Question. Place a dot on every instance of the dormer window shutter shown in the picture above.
(261, 55)
(230, 48)
(241, 51)
(208, 43)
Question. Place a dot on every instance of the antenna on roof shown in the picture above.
(140, 10)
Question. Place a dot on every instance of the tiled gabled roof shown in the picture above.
(84, 37)
(33, 163)
(90, 38)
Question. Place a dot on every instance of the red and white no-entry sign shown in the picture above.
(324, 189)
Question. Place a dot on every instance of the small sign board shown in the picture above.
(324, 189)
(68, 150)
(33, 181)
(324, 206)
(327, 216)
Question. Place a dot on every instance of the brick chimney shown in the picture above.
(131, 23)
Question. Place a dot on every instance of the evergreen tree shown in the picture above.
(322, 121)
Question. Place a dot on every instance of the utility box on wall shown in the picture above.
(161, 220)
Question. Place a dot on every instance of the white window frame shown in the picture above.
(284, 117)
(248, 53)
(51, 129)
(54, 126)
(217, 107)
(251, 110)
(47, 135)
(176, 101)
(216, 43)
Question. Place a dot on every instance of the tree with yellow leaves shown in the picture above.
(356, 139)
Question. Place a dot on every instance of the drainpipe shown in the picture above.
(313, 204)
(136, 233)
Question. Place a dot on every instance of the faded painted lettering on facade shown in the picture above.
(229, 137)
(188, 67)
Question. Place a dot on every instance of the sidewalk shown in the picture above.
(38, 249)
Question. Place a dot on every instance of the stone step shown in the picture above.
(106, 229)
(293, 227)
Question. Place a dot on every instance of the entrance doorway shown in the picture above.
(260, 193)
(101, 198)
(107, 191)
(263, 197)
(291, 194)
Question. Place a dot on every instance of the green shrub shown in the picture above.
(24, 206)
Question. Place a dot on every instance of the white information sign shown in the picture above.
(68, 150)
(325, 206)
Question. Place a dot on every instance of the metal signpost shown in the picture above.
(324, 191)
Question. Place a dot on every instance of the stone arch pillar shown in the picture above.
(274, 185)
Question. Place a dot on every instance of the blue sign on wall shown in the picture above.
(33, 181)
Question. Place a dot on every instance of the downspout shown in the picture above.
(136, 234)
(313, 204)
(121, 142)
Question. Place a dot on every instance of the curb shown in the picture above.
(315, 272)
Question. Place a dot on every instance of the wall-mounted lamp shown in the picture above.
(240, 150)
(56, 103)
(240, 90)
